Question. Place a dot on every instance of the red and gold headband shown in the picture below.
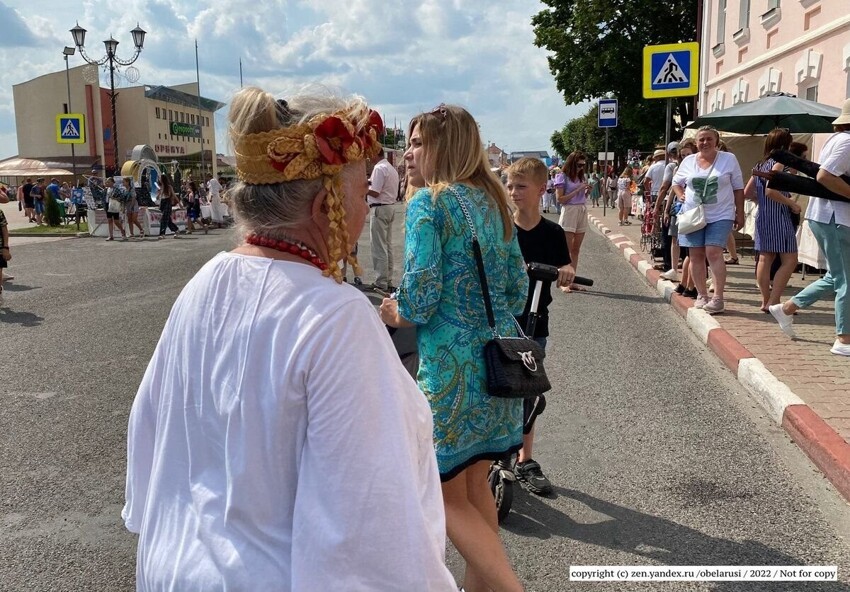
(319, 147)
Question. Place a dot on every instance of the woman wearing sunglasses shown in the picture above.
(571, 192)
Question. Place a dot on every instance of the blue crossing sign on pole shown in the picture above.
(670, 70)
(71, 128)
(607, 116)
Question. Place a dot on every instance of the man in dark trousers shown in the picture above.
(541, 241)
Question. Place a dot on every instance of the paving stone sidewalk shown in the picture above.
(806, 365)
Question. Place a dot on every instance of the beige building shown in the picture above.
(171, 120)
(752, 47)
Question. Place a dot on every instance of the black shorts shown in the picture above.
(29, 202)
(113, 215)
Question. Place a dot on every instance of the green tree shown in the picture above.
(557, 141)
(597, 48)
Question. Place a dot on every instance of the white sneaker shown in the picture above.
(701, 301)
(714, 306)
(670, 275)
(786, 321)
(840, 349)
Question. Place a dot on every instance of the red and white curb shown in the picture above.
(828, 450)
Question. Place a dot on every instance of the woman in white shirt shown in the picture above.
(268, 449)
(830, 223)
(713, 179)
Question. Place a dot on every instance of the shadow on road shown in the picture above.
(653, 538)
(24, 319)
(9, 287)
(631, 297)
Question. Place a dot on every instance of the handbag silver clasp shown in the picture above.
(528, 360)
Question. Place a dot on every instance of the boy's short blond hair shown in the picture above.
(532, 169)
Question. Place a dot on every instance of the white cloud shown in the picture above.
(403, 56)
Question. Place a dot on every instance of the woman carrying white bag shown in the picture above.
(711, 188)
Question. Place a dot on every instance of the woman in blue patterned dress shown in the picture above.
(776, 234)
(440, 293)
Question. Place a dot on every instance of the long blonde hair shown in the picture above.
(452, 146)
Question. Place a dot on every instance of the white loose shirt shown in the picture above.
(719, 189)
(835, 159)
(214, 187)
(384, 181)
(277, 443)
(655, 173)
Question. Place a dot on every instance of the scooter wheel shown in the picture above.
(503, 492)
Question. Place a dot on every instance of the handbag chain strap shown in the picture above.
(482, 276)
(479, 262)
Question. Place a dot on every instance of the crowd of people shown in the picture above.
(703, 181)
(122, 200)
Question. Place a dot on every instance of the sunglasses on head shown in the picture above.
(440, 110)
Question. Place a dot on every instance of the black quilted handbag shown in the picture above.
(515, 368)
(514, 364)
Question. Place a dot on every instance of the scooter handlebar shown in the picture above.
(540, 272)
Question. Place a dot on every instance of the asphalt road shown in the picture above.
(657, 455)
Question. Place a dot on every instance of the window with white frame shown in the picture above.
(721, 20)
(812, 93)
(744, 15)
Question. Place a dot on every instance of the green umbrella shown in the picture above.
(771, 111)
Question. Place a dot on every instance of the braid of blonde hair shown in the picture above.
(338, 236)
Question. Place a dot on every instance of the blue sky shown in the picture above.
(404, 57)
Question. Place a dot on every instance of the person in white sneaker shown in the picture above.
(665, 203)
(710, 179)
(830, 223)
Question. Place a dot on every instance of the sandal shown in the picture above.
(732, 261)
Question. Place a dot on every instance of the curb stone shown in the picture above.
(821, 443)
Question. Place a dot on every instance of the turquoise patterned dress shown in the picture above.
(441, 293)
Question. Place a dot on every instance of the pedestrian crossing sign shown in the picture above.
(70, 128)
(670, 70)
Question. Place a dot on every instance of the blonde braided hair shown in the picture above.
(286, 152)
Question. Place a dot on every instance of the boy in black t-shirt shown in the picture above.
(541, 241)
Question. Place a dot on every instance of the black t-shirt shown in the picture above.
(27, 189)
(545, 243)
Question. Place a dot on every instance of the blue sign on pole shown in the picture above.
(607, 113)
(70, 128)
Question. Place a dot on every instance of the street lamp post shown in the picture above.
(69, 51)
(110, 58)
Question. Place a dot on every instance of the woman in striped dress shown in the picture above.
(776, 234)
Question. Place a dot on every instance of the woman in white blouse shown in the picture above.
(276, 442)
(713, 179)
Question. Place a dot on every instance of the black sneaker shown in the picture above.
(680, 289)
(692, 293)
(532, 478)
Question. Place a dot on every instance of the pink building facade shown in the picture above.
(752, 47)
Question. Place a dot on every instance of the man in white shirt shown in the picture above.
(830, 223)
(655, 175)
(214, 192)
(382, 196)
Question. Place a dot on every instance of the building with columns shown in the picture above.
(174, 121)
(752, 47)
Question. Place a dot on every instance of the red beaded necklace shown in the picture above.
(293, 247)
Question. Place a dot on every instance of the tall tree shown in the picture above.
(597, 48)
